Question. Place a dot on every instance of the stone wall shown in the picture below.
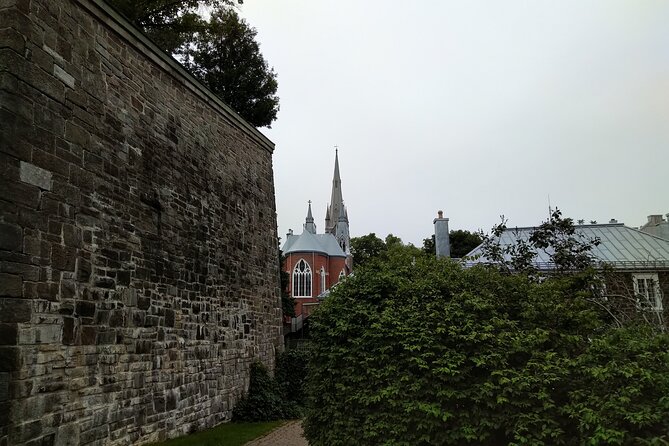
(138, 248)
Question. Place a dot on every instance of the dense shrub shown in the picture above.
(420, 352)
(278, 398)
(291, 375)
(264, 400)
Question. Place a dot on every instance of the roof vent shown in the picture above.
(613, 220)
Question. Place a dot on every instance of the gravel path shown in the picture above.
(290, 434)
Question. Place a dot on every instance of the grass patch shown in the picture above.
(226, 434)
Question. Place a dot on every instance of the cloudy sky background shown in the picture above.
(479, 108)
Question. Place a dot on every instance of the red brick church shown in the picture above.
(315, 262)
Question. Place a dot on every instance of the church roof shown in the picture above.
(308, 242)
(620, 246)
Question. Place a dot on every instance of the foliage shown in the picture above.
(291, 374)
(619, 389)
(278, 398)
(169, 23)
(287, 301)
(365, 248)
(221, 51)
(567, 251)
(418, 351)
(227, 58)
(264, 401)
(368, 250)
(229, 434)
(462, 243)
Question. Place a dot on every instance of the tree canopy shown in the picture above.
(568, 251)
(419, 351)
(227, 59)
(462, 242)
(370, 249)
(221, 51)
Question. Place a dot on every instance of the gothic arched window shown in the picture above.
(342, 275)
(322, 279)
(302, 279)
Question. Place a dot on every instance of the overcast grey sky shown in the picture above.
(479, 108)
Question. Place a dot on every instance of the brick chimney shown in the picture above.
(441, 238)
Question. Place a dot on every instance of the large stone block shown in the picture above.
(8, 334)
(9, 359)
(35, 176)
(11, 285)
(11, 237)
(15, 310)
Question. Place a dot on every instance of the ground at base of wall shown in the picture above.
(290, 434)
(228, 434)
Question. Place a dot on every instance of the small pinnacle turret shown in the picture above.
(309, 224)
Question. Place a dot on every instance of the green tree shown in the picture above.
(568, 252)
(366, 248)
(227, 58)
(369, 249)
(418, 351)
(169, 23)
(462, 242)
(222, 51)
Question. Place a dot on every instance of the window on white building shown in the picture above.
(647, 290)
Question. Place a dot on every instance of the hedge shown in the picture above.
(422, 352)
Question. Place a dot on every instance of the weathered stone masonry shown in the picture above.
(138, 248)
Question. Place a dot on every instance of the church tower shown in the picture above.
(336, 216)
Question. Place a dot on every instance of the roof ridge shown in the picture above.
(648, 234)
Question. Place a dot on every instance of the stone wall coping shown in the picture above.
(119, 24)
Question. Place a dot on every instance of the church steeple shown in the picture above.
(336, 216)
(309, 224)
(336, 200)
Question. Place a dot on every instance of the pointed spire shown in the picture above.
(309, 222)
(336, 200)
(336, 169)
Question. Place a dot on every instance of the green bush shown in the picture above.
(417, 351)
(278, 398)
(264, 401)
(291, 374)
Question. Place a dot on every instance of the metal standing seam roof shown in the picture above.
(620, 246)
(308, 242)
